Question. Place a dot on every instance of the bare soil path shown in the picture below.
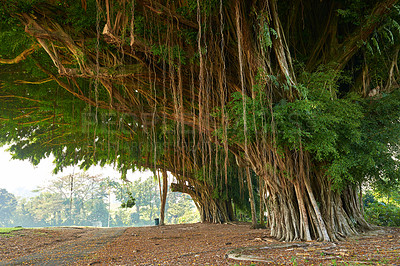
(191, 244)
(55, 246)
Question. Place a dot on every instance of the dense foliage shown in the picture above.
(382, 209)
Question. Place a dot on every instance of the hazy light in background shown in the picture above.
(21, 177)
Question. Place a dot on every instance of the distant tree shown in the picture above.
(97, 211)
(117, 221)
(8, 204)
(23, 215)
(47, 208)
(181, 209)
(73, 199)
(143, 195)
(79, 193)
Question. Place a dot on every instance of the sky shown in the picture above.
(21, 177)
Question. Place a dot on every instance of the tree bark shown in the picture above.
(262, 202)
(302, 205)
(212, 210)
(254, 223)
(163, 196)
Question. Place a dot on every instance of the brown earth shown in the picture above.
(190, 244)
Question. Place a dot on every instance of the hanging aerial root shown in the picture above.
(22, 56)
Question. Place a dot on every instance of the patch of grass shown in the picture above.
(7, 230)
(40, 233)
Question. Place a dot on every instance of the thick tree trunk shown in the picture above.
(212, 210)
(308, 216)
(215, 211)
(302, 204)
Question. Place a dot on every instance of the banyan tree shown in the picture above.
(302, 94)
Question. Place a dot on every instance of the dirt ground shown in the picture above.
(190, 244)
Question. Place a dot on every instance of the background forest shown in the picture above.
(83, 200)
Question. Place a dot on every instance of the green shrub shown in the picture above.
(380, 213)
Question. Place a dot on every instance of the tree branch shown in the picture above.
(349, 47)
